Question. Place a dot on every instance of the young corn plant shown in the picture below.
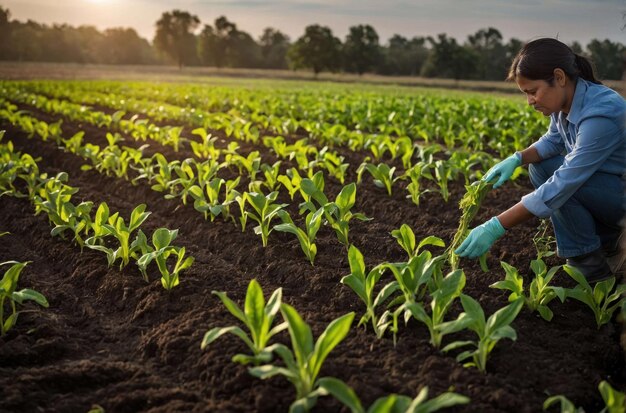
(306, 237)
(415, 174)
(489, 332)
(444, 172)
(406, 238)
(469, 204)
(271, 174)
(363, 284)
(186, 180)
(411, 279)
(382, 174)
(164, 178)
(117, 228)
(257, 317)
(264, 211)
(392, 403)
(614, 401)
(209, 204)
(539, 293)
(451, 287)
(602, 299)
(334, 164)
(304, 360)
(206, 148)
(8, 287)
(337, 213)
(291, 181)
(160, 250)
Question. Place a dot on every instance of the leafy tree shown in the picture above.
(207, 47)
(403, 57)
(576, 48)
(317, 49)
(361, 50)
(608, 58)
(225, 46)
(492, 60)
(274, 46)
(124, 46)
(448, 59)
(174, 36)
(5, 33)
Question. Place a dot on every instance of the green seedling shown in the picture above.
(411, 279)
(393, 403)
(489, 332)
(442, 299)
(539, 293)
(304, 360)
(603, 299)
(291, 181)
(8, 287)
(258, 318)
(415, 173)
(363, 284)
(271, 174)
(406, 238)
(614, 401)
(382, 174)
(264, 211)
(306, 237)
(337, 213)
(117, 228)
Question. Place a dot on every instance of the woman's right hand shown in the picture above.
(503, 170)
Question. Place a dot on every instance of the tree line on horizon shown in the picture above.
(483, 56)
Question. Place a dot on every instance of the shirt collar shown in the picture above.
(577, 101)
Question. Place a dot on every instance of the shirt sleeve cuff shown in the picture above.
(535, 205)
(543, 149)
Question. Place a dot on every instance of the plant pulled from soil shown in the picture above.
(469, 204)
(8, 287)
(539, 292)
(304, 360)
(258, 318)
(489, 331)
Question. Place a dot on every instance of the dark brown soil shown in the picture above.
(111, 339)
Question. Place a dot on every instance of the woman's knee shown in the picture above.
(539, 172)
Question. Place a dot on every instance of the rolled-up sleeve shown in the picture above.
(551, 143)
(597, 139)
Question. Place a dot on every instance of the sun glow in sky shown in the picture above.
(570, 20)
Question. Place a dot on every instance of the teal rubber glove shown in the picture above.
(480, 239)
(503, 170)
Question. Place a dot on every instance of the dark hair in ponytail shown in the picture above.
(538, 59)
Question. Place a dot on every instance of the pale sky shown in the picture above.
(570, 20)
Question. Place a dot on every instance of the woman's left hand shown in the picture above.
(480, 239)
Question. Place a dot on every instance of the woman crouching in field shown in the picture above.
(577, 167)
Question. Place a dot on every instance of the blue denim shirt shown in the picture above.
(592, 137)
